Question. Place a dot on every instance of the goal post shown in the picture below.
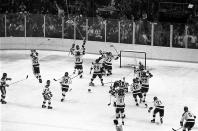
(131, 58)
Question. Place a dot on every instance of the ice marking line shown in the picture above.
(45, 125)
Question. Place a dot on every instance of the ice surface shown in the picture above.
(175, 83)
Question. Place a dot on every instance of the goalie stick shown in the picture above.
(19, 81)
(176, 129)
(115, 49)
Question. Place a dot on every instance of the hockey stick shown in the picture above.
(115, 49)
(109, 101)
(19, 80)
(176, 129)
(57, 79)
(109, 82)
(69, 76)
(76, 76)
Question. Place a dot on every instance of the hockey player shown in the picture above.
(35, 65)
(78, 53)
(145, 76)
(47, 95)
(138, 70)
(33, 53)
(65, 82)
(117, 126)
(3, 87)
(124, 84)
(107, 61)
(120, 104)
(158, 108)
(72, 49)
(98, 70)
(136, 91)
(187, 120)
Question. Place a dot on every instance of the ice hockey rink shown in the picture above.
(175, 83)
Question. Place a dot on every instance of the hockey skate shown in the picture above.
(91, 84)
(49, 107)
(74, 71)
(123, 116)
(81, 76)
(122, 122)
(40, 80)
(89, 90)
(3, 102)
(109, 73)
(161, 120)
(43, 106)
(102, 83)
(153, 121)
(62, 99)
(137, 104)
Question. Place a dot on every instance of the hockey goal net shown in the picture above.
(131, 58)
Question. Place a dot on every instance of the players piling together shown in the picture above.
(103, 66)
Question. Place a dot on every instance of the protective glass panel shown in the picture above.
(193, 36)
(15, 25)
(96, 29)
(143, 33)
(126, 32)
(80, 27)
(53, 26)
(35, 25)
(69, 28)
(2, 25)
(162, 34)
(112, 31)
(179, 37)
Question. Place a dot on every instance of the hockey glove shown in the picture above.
(114, 104)
(150, 108)
(9, 79)
(117, 58)
(181, 123)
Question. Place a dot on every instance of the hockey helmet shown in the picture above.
(77, 47)
(48, 82)
(4, 74)
(185, 108)
(155, 98)
(115, 122)
(66, 73)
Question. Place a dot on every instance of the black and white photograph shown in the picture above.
(98, 65)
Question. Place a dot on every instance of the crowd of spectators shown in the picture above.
(50, 19)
